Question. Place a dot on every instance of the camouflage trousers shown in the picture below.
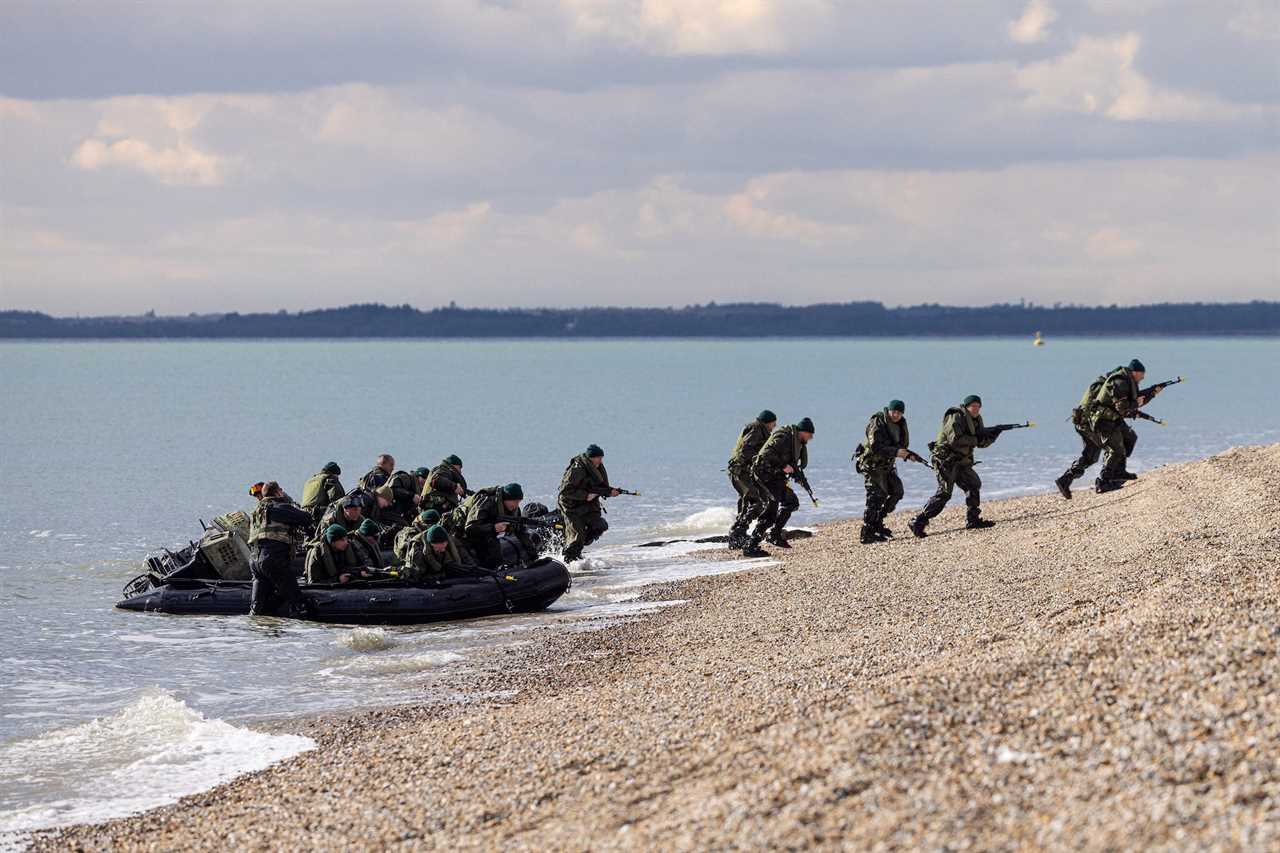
(884, 490)
(780, 503)
(581, 528)
(1117, 441)
(951, 475)
(751, 500)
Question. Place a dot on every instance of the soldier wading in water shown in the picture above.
(1099, 421)
(961, 432)
(584, 483)
(751, 499)
(785, 454)
(273, 530)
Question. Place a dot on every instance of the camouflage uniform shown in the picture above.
(325, 564)
(782, 448)
(273, 533)
(877, 462)
(320, 491)
(584, 521)
(751, 498)
(473, 522)
(960, 433)
(423, 565)
(441, 490)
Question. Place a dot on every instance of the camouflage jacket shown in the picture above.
(782, 448)
(750, 440)
(1117, 398)
(324, 564)
(884, 439)
(959, 434)
(321, 490)
(580, 477)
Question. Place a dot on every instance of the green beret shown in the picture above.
(1137, 365)
(595, 451)
(436, 534)
(767, 417)
(369, 527)
(452, 459)
(421, 472)
(334, 531)
(429, 516)
(896, 406)
(513, 492)
(805, 425)
(332, 468)
(971, 399)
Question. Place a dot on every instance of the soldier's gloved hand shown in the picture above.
(788, 470)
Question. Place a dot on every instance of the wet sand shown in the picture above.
(1100, 673)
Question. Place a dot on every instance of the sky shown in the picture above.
(257, 155)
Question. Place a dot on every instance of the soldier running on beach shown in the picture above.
(887, 441)
(962, 430)
(751, 500)
(784, 455)
(1099, 421)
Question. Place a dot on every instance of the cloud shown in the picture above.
(1033, 25)
(1098, 77)
(178, 165)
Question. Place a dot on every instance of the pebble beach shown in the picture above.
(1100, 674)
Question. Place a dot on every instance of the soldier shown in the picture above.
(364, 542)
(347, 512)
(584, 483)
(322, 489)
(961, 431)
(785, 454)
(404, 538)
(1099, 421)
(887, 441)
(385, 511)
(331, 559)
(379, 473)
(751, 501)
(406, 491)
(273, 530)
(478, 522)
(446, 487)
(433, 554)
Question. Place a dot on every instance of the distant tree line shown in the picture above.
(741, 320)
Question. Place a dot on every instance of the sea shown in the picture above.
(114, 450)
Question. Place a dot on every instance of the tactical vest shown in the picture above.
(456, 520)
(750, 440)
(966, 424)
(596, 476)
(317, 489)
(404, 541)
(261, 527)
(865, 455)
(1103, 403)
(424, 558)
(330, 564)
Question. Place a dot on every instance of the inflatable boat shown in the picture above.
(511, 590)
(210, 576)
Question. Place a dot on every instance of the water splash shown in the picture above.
(367, 640)
(149, 753)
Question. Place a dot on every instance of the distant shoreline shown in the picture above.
(745, 321)
(596, 339)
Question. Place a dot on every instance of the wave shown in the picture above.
(716, 519)
(149, 753)
(366, 640)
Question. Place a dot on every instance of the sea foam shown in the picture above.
(150, 753)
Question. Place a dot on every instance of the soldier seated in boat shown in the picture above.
(486, 515)
(433, 555)
(405, 536)
(347, 513)
(331, 559)
(365, 543)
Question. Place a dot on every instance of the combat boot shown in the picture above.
(1128, 475)
(917, 526)
(753, 549)
(778, 538)
(867, 536)
(1102, 486)
(737, 538)
(978, 523)
(883, 532)
(572, 554)
(1064, 485)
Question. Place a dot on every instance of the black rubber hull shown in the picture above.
(536, 587)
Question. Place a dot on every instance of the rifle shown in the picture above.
(523, 521)
(1138, 413)
(800, 478)
(999, 428)
(607, 491)
(912, 456)
(1151, 390)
